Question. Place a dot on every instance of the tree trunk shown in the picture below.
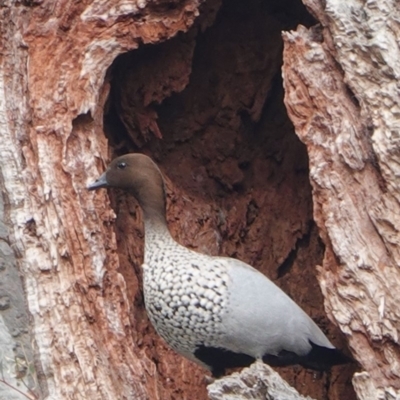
(54, 59)
(341, 92)
(198, 87)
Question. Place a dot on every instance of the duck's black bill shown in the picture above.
(99, 183)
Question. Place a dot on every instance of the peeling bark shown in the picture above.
(341, 94)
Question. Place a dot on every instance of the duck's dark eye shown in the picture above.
(121, 165)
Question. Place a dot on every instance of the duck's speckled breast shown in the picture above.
(186, 295)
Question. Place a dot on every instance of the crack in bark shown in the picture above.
(301, 242)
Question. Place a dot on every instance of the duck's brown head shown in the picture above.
(137, 174)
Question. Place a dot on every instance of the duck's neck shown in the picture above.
(149, 191)
(156, 236)
(155, 225)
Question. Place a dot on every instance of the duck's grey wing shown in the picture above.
(261, 320)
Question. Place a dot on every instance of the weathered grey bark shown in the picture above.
(342, 92)
(257, 382)
(16, 356)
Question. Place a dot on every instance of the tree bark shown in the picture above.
(54, 59)
(197, 86)
(256, 382)
(341, 93)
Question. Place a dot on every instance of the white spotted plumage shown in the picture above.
(186, 293)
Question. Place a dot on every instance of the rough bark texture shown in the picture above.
(54, 59)
(341, 85)
(202, 94)
(257, 382)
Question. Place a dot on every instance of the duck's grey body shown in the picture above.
(217, 311)
(198, 302)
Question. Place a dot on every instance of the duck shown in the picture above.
(217, 311)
